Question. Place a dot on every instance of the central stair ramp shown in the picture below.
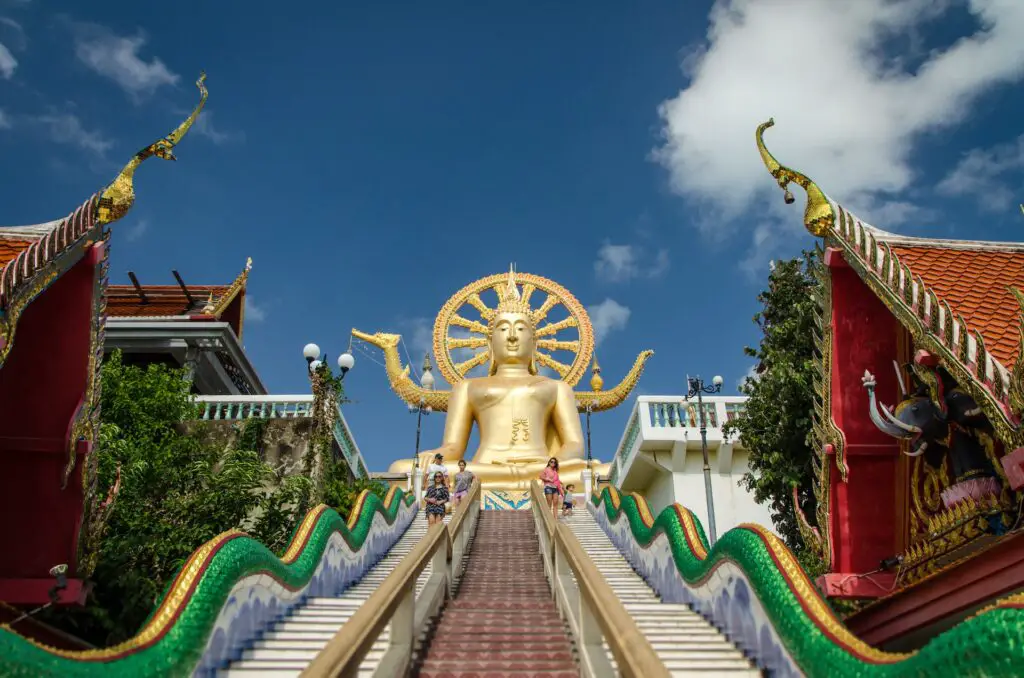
(502, 621)
(685, 642)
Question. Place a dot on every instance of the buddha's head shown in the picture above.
(512, 328)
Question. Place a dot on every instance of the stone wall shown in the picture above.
(283, 445)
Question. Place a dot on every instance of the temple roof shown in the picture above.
(11, 248)
(226, 302)
(961, 299)
(975, 283)
(123, 301)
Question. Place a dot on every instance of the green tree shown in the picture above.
(340, 492)
(777, 423)
(177, 490)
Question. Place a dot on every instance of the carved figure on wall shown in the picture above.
(940, 420)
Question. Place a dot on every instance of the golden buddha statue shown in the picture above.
(523, 416)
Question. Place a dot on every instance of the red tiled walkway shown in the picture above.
(503, 620)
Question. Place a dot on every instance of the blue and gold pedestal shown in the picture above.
(506, 500)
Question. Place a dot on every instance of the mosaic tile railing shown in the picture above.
(227, 593)
(751, 587)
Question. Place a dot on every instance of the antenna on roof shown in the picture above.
(181, 284)
(138, 287)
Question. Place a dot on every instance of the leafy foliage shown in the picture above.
(776, 426)
(177, 491)
(341, 493)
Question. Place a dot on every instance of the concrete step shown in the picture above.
(684, 640)
(287, 648)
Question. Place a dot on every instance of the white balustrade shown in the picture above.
(234, 408)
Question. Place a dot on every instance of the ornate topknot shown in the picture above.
(510, 301)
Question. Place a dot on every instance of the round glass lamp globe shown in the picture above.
(310, 351)
(315, 365)
(346, 361)
(718, 381)
(427, 380)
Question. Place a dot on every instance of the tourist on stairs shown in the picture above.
(437, 497)
(567, 501)
(552, 485)
(463, 481)
(438, 467)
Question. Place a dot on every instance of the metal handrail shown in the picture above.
(595, 613)
(395, 601)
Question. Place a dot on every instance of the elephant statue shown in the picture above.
(939, 419)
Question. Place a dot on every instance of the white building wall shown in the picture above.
(660, 457)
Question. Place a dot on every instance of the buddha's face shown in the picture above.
(512, 339)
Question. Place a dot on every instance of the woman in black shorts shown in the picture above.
(437, 497)
(552, 485)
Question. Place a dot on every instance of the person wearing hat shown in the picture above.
(437, 466)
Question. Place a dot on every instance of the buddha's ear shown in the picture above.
(533, 366)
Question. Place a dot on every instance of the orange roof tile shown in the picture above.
(12, 247)
(974, 283)
(161, 300)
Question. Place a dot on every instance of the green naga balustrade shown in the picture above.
(227, 592)
(751, 586)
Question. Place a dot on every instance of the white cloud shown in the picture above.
(5, 122)
(847, 112)
(607, 317)
(620, 263)
(117, 58)
(138, 230)
(254, 312)
(204, 127)
(66, 128)
(7, 63)
(980, 173)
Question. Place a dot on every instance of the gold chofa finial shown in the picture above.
(119, 196)
(818, 215)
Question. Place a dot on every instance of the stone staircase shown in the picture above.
(288, 647)
(685, 642)
(503, 620)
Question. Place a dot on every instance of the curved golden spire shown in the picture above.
(118, 197)
(818, 215)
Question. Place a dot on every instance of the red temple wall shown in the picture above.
(864, 524)
(41, 385)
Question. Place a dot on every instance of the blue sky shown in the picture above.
(374, 159)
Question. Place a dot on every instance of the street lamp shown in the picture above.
(587, 407)
(696, 387)
(311, 352)
(420, 409)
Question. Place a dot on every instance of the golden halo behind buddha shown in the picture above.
(514, 293)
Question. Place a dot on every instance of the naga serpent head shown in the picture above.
(381, 340)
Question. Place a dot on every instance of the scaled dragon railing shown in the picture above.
(228, 591)
(751, 587)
